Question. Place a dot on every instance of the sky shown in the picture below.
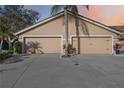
(44, 10)
(111, 15)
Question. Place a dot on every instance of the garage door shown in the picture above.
(42, 44)
(93, 45)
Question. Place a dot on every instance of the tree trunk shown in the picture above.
(9, 42)
(66, 30)
(77, 33)
(1, 43)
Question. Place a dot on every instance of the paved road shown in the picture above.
(51, 71)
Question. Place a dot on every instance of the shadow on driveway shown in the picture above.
(15, 59)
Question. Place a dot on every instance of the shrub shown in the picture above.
(122, 51)
(4, 55)
(69, 46)
(117, 46)
(17, 47)
(64, 46)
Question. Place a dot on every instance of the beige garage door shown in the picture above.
(93, 45)
(42, 44)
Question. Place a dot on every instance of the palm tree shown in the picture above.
(73, 8)
(5, 34)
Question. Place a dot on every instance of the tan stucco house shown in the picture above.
(47, 36)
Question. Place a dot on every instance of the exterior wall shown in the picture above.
(54, 27)
(86, 28)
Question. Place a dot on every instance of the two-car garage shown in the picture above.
(83, 44)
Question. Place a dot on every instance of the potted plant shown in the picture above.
(117, 48)
(71, 50)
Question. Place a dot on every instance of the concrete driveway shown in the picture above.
(51, 71)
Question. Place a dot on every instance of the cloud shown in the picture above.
(107, 14)
(116, 21)
(82, 10)
(95, 12)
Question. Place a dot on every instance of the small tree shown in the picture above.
(5, 35)
(17, 47)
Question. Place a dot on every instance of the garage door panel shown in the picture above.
(43, 45)
(93, 45)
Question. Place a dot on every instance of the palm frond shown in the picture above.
(56, 8)
(87, 6)
(4, 32)
(73, 8)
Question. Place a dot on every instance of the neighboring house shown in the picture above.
(47, 36)
(119, 28)
(121, 37)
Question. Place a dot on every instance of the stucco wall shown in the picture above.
(87, 28)
(54, 27)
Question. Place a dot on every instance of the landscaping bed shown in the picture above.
(12, 59)
(4, 55)
(15, 50)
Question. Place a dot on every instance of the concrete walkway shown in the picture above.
(51, 71)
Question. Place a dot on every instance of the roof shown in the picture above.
(62, 13)
(119, 28)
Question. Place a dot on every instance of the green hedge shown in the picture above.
(17, 47)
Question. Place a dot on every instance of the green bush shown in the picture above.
(17, 47)
(3, 55)
(122, 51)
